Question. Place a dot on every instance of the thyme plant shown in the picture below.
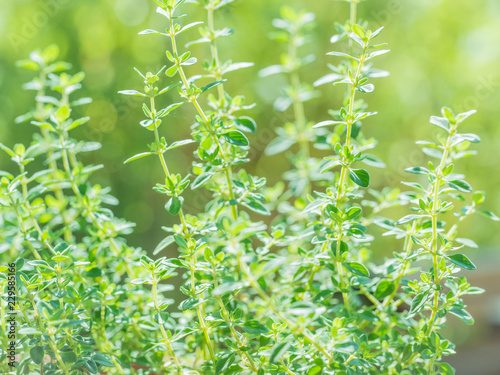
(276, 280)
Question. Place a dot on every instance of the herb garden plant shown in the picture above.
(276, 279)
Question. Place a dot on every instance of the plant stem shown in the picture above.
(69, 171)
(39, 116)
(294, 327)
(234, 333)
(435, 259)
(166, 339)
(203, 116)
(188, 235)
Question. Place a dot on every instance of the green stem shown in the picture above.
(68, 167)
(296, 329)
(234, 333)
(199, 310)
(166, 339)
(203, 116)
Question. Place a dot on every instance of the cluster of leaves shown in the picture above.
(297, 294)
(75, 311)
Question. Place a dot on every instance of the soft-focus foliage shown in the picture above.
(274, 278)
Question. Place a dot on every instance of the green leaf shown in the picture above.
(180, 241)
(246, 124)
(163, 244)
(103, 359)
(360, 177)
(94, 272)
(174, 205)
(202, 179)
(254, 327)
(327, 123)
(211, 85)
(44, 125)
(237, 66)
(165, 111)
(418, 303)
(168, 88)
(373, 161)
(91, 366)
(171, 71)
(7, 150)
(138, 156)
(357, 268)
(445, 369)
(278, 351)
(131, 92)
(341, 54)
(384, 289)
(358, 30)
(69, 357)
(417, 170)
(37, 353)
(150, 32)
(256, 206)
(62, 114)
(27, 64)
(29, 331)
(223, 363)
(278, 145)
(462, 261)
(40, 263)
(478, 197)
(460, 185)
(189, 26)
(407, 219)
(353, 212)
(490, 215)
(463, 315)
(236, 137)
(366, 88)
(177, 144)
(61, 248)
(442, 122)
(226, 287)
(77, 123)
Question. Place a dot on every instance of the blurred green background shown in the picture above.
(444, 52)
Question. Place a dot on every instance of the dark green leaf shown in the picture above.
(202, 179)
(357, 268)
(70, 357)
(460, 185)
(418, 303)
(211, 85)
(236, 137)
(180, 241)
(246, 124)
(360, 177)
(417, 170)
(256, 206)
(174, 205)
(384, 289)
(223, 363)
(37, 353)
(462, 261)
